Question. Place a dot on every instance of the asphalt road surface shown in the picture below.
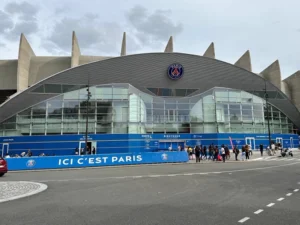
(263, 191)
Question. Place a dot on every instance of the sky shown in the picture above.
(270, 29)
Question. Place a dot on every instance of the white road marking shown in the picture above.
(42, 187)
(296, 190)
(165, 175)
(154, 175)
(289, 194)
(188, 174)
(230, 173)
(244, 220)
(258, 211)
(280, 199)
(271, 204)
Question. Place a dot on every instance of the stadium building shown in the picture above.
(142, 102)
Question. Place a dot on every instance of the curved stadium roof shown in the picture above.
(150, 71)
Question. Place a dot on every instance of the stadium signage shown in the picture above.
(175, 71)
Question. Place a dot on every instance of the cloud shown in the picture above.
(23, 8)
(26, 22)
(152, 28)
(93, 35)
(6, 23)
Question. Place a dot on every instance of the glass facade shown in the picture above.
(121, 108)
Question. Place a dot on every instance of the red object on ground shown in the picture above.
(3, 166)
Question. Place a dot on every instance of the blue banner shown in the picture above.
(59, 162)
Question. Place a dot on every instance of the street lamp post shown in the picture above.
(87, 116)
(268, 120)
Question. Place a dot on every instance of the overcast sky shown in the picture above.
(270, 29)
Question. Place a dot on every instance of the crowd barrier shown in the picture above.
(59, 162)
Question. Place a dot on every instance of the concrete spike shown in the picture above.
(123, 48)
(25, 54)
(210, 51)
(245, 61)
(273, 74)
(75, 51)
(169, 47)
(293, 84)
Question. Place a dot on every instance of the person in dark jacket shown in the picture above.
(236, 151)
(261, 148)
(197, 153)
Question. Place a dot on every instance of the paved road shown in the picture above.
(208, 193)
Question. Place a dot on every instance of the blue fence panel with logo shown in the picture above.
(59, 162)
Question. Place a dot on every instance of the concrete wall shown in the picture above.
(273, 74)
(25, 54)
(294, 84)
(42, 67)
(286, 89)
(8, 74)
(87, 59)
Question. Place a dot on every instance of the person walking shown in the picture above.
(236, 151)
(223, 153)
(227, 152)
(261, 148)
(197, 153)
(247, 152)
(243, 153)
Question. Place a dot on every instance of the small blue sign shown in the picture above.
(30, 163)
(175, 71)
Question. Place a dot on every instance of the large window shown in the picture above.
(121, 108)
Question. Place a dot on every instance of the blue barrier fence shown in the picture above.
(59, 162)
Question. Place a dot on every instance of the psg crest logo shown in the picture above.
(30, 163)
(164, 156)
(175, 71)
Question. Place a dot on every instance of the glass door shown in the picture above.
(291, 142)
(5, 149)
(279, 140)
(251, 142)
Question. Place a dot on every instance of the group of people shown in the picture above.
(212, 152)
(216, 153)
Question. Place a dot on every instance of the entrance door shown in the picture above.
(5, 149)
(251, 142)
(292, 142)
(279, 140)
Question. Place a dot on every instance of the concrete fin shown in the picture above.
(123, 48)
(273, 74)
(169, 47)
(75, 51)
(25, 54)
(245, 61)
(210, 51)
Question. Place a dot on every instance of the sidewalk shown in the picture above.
(255, 155)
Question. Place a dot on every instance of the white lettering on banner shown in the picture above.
(99, 160)
(172, 136)
(146, 136)
(128, 158)
(114, 159)
(104, 159)
(139, 158)
(79, 161)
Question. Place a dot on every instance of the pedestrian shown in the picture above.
(223, 153)
(243, 153)
(197, 152)
(273, 148)
(94, 150)
(261, 148)
(205, 152)
(236, 152)
(216, 153)
(247, 152)
(227, 152)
